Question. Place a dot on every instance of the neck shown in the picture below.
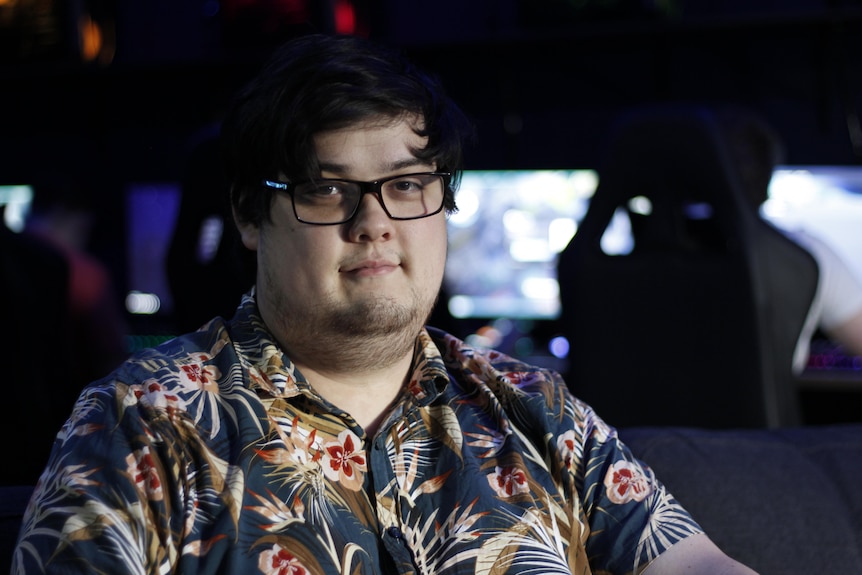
(357, 355)
(366, 395)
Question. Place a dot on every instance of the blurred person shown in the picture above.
(324, 428)
(33, 291)
(62, 215)
(756, 149)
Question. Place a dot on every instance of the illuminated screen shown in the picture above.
(152, 209)
(825, 201)
(505, 238)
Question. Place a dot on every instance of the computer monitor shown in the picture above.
(505, 238)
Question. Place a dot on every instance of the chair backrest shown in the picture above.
(697, 324)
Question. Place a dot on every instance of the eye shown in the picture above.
(322, 190)
(328, 189)
(406, 184)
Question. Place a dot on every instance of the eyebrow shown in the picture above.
(392, 167)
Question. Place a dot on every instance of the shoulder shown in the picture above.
(493, 367)
(210, 343)
(536, 398)
(181, 366)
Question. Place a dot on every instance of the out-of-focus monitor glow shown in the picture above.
(825, 201)
(151, 213)
(16, 200)
(506, 236)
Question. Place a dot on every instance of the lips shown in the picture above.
(371, 267)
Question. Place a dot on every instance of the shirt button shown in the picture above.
(395, 532)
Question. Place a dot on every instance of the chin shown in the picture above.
(382, 316)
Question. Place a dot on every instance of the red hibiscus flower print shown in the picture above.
(344, 460)
(625, 481)
(141, 467)
(280, 561)
(508, 481)
(199, 376)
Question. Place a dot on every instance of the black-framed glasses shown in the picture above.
(326, 201)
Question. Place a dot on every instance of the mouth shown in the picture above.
(371, 268)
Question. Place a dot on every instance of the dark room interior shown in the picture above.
(125, 98)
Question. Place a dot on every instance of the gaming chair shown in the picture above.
(697, 324)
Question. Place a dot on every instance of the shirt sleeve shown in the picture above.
(102, 504)
(631, 516)
(839, 294)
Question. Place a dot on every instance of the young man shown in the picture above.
(324, 429)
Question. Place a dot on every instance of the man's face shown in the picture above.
(372, 276)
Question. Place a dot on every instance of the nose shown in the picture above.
(371, 221)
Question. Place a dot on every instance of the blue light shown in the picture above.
(559, 347)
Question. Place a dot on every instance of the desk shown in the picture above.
(830, 380)
(830, 396)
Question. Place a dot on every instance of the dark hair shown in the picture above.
(317, 83)
(754, 146)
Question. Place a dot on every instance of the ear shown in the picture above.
(248, 232)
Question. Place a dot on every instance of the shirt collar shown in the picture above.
(270, 371)
(429, 376)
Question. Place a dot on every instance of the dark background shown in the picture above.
(542, 79)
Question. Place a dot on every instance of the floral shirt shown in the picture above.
(212, 454)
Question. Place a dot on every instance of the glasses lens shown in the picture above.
(325, 201)
(413, 195)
